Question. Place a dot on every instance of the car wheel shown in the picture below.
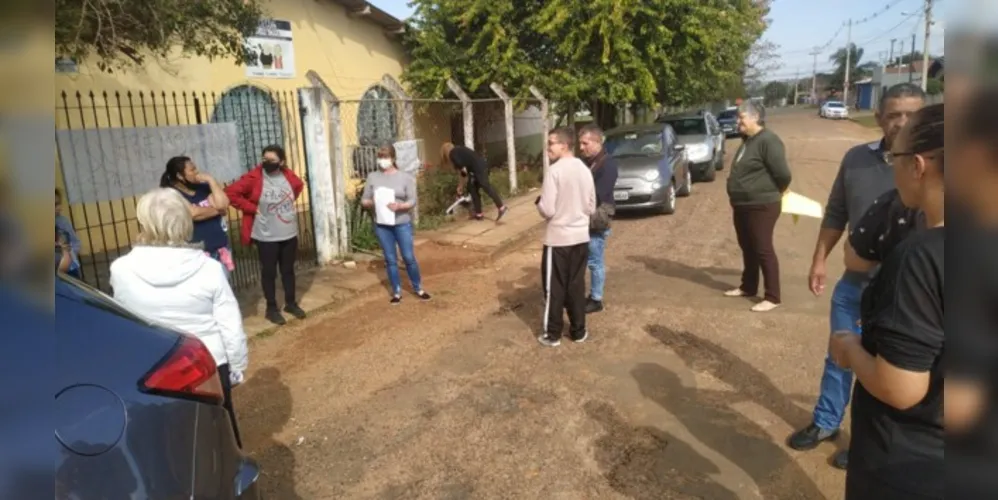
(718, 162)
(670, 200)
(711, 172)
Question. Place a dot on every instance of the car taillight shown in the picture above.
(188, 372)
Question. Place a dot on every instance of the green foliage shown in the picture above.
(934, 86)
(361, 225)
(612, 51)
(122, 33)
(774, 91)
(857, 70)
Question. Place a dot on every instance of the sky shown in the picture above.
(797, 26)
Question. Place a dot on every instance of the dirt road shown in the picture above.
(682, 393)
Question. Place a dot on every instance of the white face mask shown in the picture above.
(384, 163)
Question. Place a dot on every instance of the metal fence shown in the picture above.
(107, 228)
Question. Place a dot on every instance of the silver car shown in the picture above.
(704, 141)
(652, 167)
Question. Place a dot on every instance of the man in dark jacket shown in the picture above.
(604, 169)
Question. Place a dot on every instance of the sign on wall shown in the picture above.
(271, 51)
(115, 163)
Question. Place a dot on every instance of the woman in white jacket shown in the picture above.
(176, 284)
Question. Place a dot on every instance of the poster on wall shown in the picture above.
(271, 51)
(114, 163)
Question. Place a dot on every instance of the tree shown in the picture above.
(603, 53)
(762, 60)
(839, 59)
(934, 86)
(774, 92)
(122, 33)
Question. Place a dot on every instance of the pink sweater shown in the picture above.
(567, 200)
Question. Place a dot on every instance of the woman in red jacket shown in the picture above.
(266, 197)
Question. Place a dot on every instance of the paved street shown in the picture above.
(681, 394)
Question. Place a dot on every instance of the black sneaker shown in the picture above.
(295, 311)
(478, 217)
(274, 316)
(502, 211)
(841, 460)
(583, 338)
(423, 295)
(396, 300)
(548, 340)
(810, 437)
(593, 306)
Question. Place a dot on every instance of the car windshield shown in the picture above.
(834, 104)
(728, 115)
(688, 126)
(634, 143)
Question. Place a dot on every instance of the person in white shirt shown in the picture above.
(175, 284)
(568, 198)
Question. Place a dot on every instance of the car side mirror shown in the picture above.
(679, 147)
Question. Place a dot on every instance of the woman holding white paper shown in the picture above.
(391, 195)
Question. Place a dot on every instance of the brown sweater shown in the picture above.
(568, 198)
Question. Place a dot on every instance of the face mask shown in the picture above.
(384, 163)
(271, 166)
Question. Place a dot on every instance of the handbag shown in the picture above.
(599, 221)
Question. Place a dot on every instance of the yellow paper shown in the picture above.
(797, 205)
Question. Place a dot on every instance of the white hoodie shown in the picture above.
(184, 290)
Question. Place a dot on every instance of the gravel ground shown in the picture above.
(682, 393)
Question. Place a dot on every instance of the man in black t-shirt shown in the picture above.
(474, 175)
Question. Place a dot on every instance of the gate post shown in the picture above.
(333, 141)
(510, 133)
(467, 113)
(320, 174)
(547, 124)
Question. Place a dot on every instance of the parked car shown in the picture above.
(704, 142)
(833, 109)
(652, 167)
(728, 119)
(138, 408)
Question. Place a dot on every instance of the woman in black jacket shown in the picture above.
(474, 174)
(897, 446)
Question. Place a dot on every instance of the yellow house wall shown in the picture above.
(349, 54)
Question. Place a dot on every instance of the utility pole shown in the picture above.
(890, 58)
(814, 77)
(845, 81)
(797, 85)
(911, 61)
(925, 45)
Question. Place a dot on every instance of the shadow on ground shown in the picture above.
(272, 407)
(708, 414)
(524, 298)
(646, 463)
(706, 277)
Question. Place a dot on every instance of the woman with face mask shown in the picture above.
(209, 206)
(393, 224)
(266, 197)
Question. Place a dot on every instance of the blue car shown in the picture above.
(138, 408)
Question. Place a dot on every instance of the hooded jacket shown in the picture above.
(185, 290)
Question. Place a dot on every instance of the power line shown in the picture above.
(883, 10)
(890, 31)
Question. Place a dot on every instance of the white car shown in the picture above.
(834, 109)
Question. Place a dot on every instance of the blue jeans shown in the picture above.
(400, 236)
(836, 383)
(597, 268)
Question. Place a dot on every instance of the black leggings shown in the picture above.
(224, 374)
(277, 256)
(480, 179)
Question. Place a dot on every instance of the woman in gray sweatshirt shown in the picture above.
(393, 224)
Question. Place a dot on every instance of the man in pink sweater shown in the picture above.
(567, 199)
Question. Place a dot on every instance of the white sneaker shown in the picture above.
(735, 292)
(764, 306)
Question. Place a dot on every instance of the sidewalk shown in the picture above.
(331, 286)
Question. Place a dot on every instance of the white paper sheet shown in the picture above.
(798, 205)
(382, 214)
